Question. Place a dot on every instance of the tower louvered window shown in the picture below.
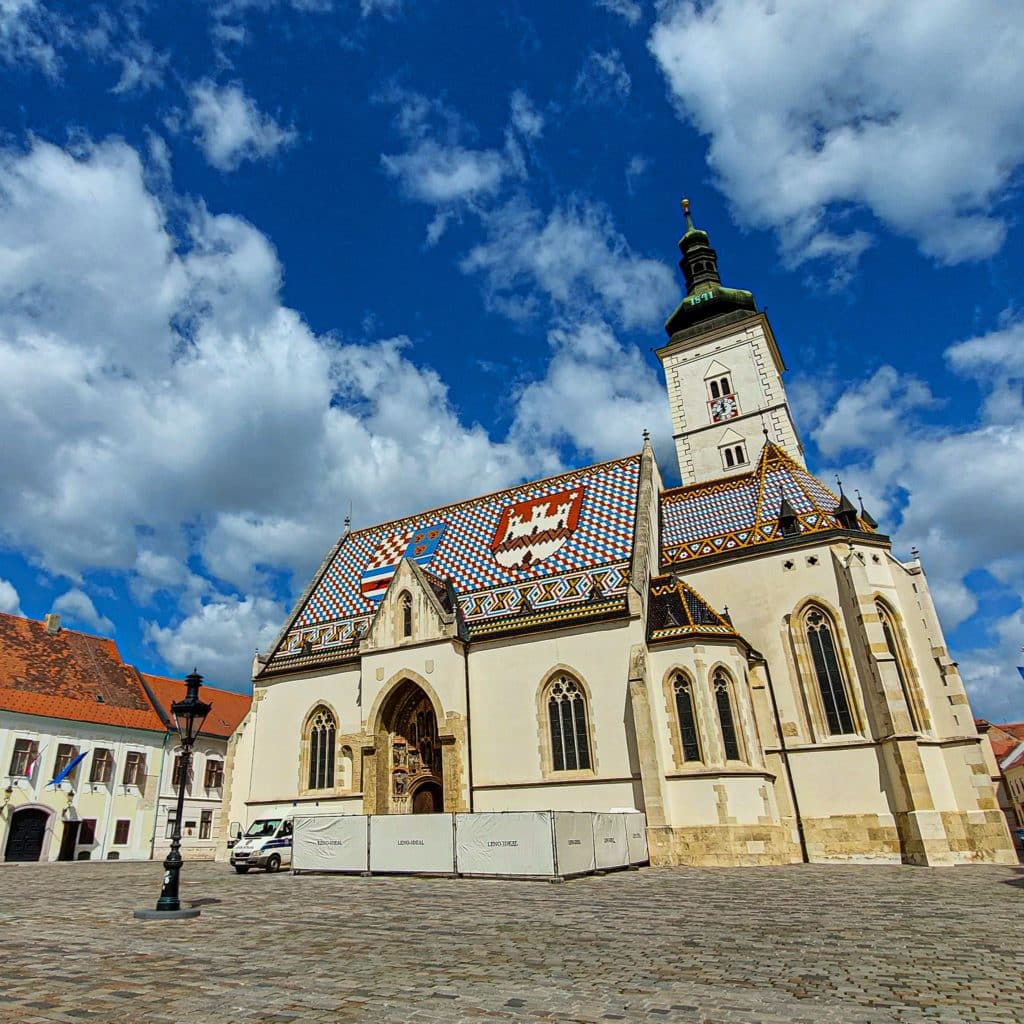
(567, 718)
(723, 701)
(321, 749)
(821, 638)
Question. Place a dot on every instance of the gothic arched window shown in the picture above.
(689, 740)
(894, 642)
(567, 720)
(822, 642)
(320, 733)
(722, 685)
(405, 603)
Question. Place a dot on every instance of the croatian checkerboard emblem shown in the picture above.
(419, 545)
(530, 531)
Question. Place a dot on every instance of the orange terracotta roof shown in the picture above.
(1004, 737)
(69, 675)
(228, 709)
(1017, 762)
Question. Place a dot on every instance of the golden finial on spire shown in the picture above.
(685, 204)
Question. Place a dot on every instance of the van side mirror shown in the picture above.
(235, 830)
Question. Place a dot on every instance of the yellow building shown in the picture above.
(743, 657)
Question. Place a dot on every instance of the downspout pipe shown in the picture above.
(785, 762)
(469, 724)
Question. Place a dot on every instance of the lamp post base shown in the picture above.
(167, 915)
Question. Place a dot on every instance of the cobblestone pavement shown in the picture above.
(805, 943)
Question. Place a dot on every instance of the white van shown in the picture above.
(267, 844)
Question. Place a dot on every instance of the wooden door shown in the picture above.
(427, 799)
(25, 839)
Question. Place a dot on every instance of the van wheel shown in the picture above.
(273, 863)
(241, 868)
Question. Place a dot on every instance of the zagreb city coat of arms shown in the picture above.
(530, 531)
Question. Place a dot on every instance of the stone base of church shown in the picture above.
(855, 838)
(722, 845)
(978, 837)
(924, 838)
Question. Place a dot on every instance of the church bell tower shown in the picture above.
(723, 370)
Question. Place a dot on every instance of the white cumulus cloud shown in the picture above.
(912, 111)
(603, 77)
(77, 608)
(628, 9)
(10, 602)
(231, 128)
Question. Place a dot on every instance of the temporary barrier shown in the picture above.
(574, 843)
(330, 842)
(610, 849)
(525, 844)
(636, 838)
(504, 843)
(413, 843)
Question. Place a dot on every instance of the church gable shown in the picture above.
(411, 611)
(548, 551)
(778, 498)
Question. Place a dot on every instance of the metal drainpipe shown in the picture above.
(785, 762)
(159, 794)
(469, 726)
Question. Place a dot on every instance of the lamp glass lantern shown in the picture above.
(190, 713)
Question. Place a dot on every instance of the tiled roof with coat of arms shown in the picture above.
(749, 509)
(542, 552)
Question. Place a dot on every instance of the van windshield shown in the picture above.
(264, 827)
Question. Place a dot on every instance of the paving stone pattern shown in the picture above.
(805, 943)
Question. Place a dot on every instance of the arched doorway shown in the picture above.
(27, 834)
(415, 777)
(427, 798)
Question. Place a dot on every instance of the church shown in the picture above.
(742, 658)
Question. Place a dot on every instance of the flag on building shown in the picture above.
(66, 770)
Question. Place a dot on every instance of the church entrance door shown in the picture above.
(416, 780)
(427, 799)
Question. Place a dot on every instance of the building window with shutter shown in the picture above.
(121, 830)
(568, 725)
(205, 822)
(214, 778)
(102, 768)
(26, 753)
(66, 753)
(134, 769)
(87, 832)
(177, 775)
(172, 817)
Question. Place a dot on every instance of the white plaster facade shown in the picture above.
(91, 809)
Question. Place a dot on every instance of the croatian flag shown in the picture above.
(419, 545)
(30, 771)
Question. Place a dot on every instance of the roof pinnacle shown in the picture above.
(685, 204)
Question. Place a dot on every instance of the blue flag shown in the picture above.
(1020, 669)
(66, 771)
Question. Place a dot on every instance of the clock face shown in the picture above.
(724, 408)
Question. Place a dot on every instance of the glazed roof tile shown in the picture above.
(69, 675)
(676, 610)
(743, 511)
(227, 708)
(548, 543)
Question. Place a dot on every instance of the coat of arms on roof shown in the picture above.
(530, 531)
(419, 545)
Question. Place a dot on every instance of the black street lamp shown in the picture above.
(189, 715)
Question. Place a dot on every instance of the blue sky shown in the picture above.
(265, 261)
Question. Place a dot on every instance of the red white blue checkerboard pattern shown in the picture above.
(602, 540)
